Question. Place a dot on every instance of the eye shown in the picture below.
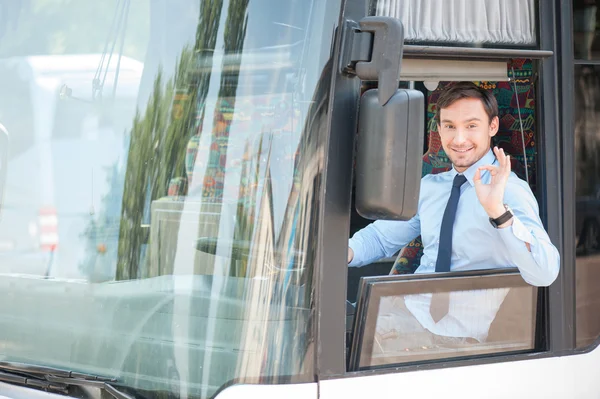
(448, 127)
(472, 126)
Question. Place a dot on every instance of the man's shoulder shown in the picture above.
(436, 178)
(518, 192)
(517, 184)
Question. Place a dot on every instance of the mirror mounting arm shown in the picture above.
(372, 50)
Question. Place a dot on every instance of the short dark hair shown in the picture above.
(461, 90)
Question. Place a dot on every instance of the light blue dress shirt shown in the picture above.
(476, 245)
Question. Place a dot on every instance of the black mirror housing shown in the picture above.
(389, 155)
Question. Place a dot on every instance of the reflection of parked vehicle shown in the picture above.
(44, 213)
(587, 223)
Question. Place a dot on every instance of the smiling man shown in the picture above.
(478, 215)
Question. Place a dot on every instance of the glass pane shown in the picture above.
(585, 29)
(443, 325)
(464, 22)
(162, 188)
(587, 193)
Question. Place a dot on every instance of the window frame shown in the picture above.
(372, 289)
(567, 78)
(555, 304)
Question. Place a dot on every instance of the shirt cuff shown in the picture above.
(516, 235)
(356, 248)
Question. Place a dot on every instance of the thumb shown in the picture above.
(477, 178)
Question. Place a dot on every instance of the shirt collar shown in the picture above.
(488, 159)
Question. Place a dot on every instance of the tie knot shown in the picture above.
(459, 180)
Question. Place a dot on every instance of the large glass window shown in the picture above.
(587, 170)
(585, 29)
(162, 191)
(587, 197)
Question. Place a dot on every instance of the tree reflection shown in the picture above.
(173, 151)
(174, 113)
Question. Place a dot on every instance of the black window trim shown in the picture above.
(556, 202)
(567, 65)
(557, 111)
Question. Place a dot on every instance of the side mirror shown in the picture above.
(3, 163)
(389, 157)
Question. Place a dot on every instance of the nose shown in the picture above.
(460, 137)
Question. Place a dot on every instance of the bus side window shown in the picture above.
(517, 136)
(587, 199)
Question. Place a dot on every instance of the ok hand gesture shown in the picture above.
(491, 196)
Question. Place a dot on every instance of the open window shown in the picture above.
(384, 285)
(513, 83)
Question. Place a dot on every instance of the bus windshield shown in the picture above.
(158, 223)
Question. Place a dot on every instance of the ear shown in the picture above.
(494, 126)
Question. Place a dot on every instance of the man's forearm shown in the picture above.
(536, 257)
(498, 211)
(380, 239)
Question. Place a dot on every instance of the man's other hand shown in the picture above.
(491, 196)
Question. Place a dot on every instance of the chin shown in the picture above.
(462, 163)
(466, 160)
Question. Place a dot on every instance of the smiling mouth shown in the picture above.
(462, 150)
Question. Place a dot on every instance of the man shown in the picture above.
(478, 215)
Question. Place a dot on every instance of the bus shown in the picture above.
(179, 180)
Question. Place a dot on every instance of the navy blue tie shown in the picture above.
(445, 247)
(440, 301)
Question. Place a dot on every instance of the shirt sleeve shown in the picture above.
(539, 267)
(382, 238)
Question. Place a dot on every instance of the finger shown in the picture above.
(477, 177)
(497, 153)
(503, 162)
(494, 170)
(507, 167)
(502, 158)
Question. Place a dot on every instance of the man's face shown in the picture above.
(466, 132)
